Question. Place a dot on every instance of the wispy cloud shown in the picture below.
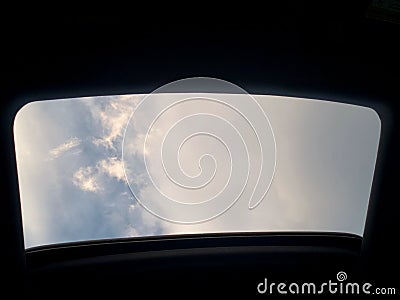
(65, 147)
(112, 167)
(113, 118)
(85, 178)
(92, 179)
(112, 115)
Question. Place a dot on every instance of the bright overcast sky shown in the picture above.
(73, 185)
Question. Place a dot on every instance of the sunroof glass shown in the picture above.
(179, 163)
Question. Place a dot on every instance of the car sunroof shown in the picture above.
(179, 163)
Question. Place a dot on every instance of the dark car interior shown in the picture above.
(344, 52)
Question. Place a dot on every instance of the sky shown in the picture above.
(127, 166)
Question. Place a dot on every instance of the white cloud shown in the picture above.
(91, 179)
(112, 167)
(64, 147)
(85, 178)
(113, 117)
